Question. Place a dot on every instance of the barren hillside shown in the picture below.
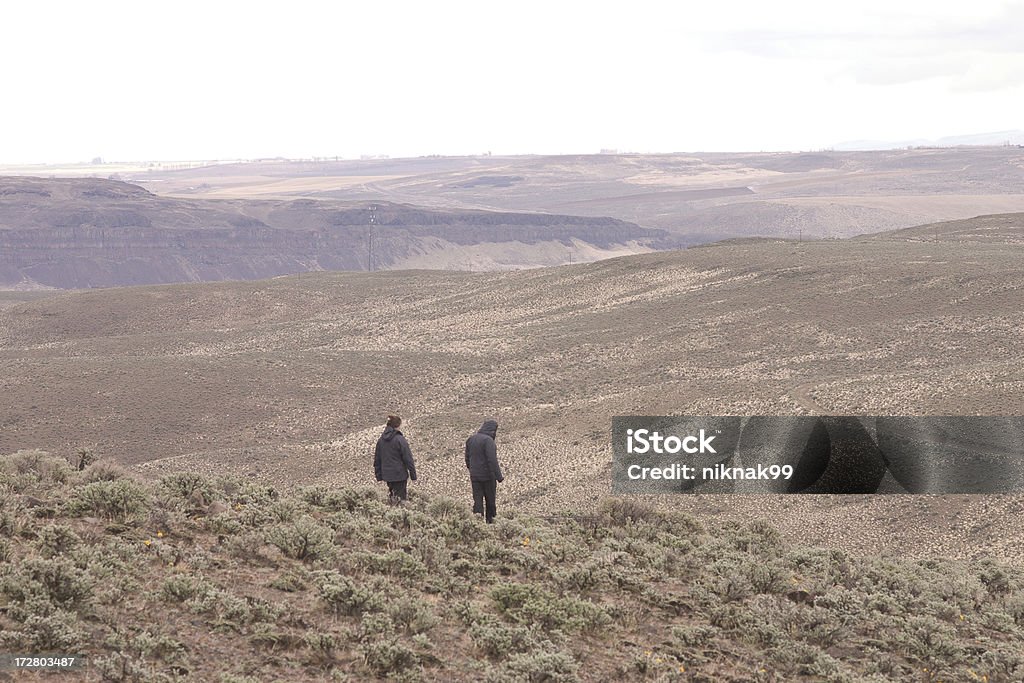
(290, 379)
(78, 233)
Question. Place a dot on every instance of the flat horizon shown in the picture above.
(318, 158)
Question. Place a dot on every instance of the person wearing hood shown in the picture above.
(484, 470)
(392, 461)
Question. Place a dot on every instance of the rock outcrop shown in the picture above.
(79, 233)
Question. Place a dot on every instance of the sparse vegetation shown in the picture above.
(923, 321)
(156, 580)
(334, 583)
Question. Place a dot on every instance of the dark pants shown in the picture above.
(398, 490)
(485, 490)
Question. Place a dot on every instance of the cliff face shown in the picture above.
(75, 233)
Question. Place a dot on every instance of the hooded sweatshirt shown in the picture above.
(482, 454)
(392, 459)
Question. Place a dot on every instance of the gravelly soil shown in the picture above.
(290, 379)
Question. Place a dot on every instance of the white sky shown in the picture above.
(215, 80)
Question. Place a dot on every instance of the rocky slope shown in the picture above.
(78, 233)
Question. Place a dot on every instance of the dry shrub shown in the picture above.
(115, 500)
(102, 470)
(304, 539)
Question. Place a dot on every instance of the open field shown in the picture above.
(289, 379)
(261, 187)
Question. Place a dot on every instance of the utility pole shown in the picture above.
(369, 238)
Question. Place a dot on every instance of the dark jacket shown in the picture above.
(482, 454)
(392, 459)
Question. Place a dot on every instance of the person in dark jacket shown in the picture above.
(392, 461)
(484, 470)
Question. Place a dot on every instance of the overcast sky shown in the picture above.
(216, 80)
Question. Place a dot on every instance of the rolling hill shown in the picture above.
(698, 196)
(289, 379)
